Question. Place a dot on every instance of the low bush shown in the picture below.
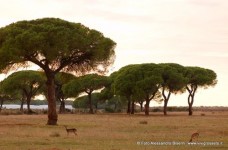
(110, 110)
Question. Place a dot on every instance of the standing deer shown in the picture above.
(194, 136)
(73, 130)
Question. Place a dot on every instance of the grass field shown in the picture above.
(115, 132)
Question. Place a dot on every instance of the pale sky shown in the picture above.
(188, 32)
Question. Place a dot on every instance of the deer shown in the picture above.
(73, 130)
(194, 136)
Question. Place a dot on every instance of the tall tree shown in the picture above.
(54, 45)
(148, 85)
(198, 77)
(28, 83)
(88, 84)
(173, 81)
(136, 82)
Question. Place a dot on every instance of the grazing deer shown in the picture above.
(194, 136)
(73, 130)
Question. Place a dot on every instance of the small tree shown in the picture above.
(148, 90)
(3, 98)
(149, 83)
(88, 84)
(54, 45)
(82, 102)
(198, 77)
(61, 79)
(27, 83)
(118, 102)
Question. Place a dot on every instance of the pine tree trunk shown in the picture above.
(132, 107)
(190, 103)
(147, 107)
(62, 106)
(28, 105)
(166, 99)
(141, 106)
(165, 107)
(1, 104)
(22, 103)
(52, 114)
(90, 103)
(192, 91)
(129, 107)
(190, 110)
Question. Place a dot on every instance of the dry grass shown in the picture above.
(113, 131)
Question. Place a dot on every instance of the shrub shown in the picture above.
(156, 110)
(54, 134)
(202, 114)
(110, 110)
(143, 122)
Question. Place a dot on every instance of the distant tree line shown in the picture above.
(132, 84)
(141, 83)
(24, 85)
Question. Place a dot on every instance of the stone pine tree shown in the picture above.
(3, 97)
(198, 77)
(27, 84)
(82, 102)
(173, 81)
(124, 84)
(88, 84)
(54, 45)
(107, 93)
(148, 84)
(61, 79)
(136, 82)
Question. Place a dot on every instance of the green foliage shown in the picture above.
(138, 81)
(87, 83)
(64, 78)
(56, 43)
(141, 82)
(92, 82)
(173, 76)
(82, 102)
(39, 102)
(109, 109)
(23, 82)
(117, 103)
(124, 81)
(201, 77)
(72, 89)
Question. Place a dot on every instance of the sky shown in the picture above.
(188, 32)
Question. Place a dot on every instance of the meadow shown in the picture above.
(115, 131)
